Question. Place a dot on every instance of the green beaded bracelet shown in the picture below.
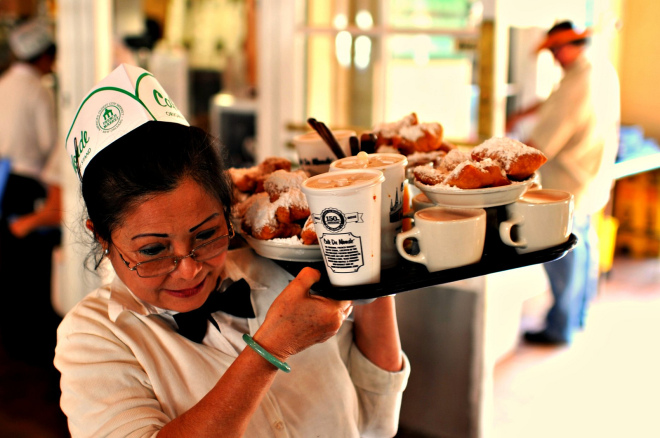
(266, 355)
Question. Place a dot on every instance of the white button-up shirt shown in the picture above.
(28, 126)
(578, 130)
(126, 372)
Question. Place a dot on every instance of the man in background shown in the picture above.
(577, 128)
(30, 211)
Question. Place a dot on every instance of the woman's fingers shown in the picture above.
(304, 281)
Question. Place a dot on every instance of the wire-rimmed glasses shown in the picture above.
(165, 265)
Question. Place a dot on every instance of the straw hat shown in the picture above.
(30, 40)
(563, 33)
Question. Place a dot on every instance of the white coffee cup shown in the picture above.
(345, 207)
(314, 155)
(393, 167)
(540, 219)
(447, 237)
(420, 201)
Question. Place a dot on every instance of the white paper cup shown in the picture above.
(314, 155)
(540, 219)
(393, 167)
(447, 237)
(345, 207)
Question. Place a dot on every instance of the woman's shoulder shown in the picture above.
(95, 301)
(89, 315)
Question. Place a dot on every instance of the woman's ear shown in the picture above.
(90, 226)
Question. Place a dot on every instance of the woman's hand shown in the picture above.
(297, 320)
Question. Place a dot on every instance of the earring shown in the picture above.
(106, 252)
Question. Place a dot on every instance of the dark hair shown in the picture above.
(563, 25)
(152, 159)
(49, 51)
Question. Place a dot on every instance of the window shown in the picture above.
(369, 61)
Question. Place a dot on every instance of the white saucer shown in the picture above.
(282, 249)
(474, 198)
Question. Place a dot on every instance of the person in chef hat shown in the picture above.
(31, 40)
(191, 338)
(30, 212)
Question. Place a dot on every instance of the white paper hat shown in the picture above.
(124, 100)
(30, 39)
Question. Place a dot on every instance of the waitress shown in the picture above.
(191, 339)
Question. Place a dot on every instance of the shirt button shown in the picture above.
(279, 425)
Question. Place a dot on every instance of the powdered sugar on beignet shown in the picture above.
(452, 159)
(476, 175)
(282, 181)
(518, 160)
(391, 129)
(267, 220)
(308, 234)
(428, 175)
(261, 222)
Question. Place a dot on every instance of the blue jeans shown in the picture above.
(574, 283)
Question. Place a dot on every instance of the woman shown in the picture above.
(158, 205)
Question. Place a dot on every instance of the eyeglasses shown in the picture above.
(165, 265)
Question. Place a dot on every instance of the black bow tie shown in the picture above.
(234, 301)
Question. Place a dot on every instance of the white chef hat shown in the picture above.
(30, 39)
(124, 100)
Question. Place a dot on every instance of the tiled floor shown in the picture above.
(605, 385)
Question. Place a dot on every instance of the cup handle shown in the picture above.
(505, 231)
(401, 237)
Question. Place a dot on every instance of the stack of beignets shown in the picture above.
(494, 163)
(276, 206)
(250, 180)
(408, 136)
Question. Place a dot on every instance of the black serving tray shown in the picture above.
(407, 276)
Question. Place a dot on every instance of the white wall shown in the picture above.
(84, 56)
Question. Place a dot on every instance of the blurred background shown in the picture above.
(251, 72)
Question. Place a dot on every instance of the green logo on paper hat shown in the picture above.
(109, 117)
(126, 99)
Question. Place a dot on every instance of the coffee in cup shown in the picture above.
(314, 155)
(447, 237)
(394, 187)
(345, 207)
(540, 219)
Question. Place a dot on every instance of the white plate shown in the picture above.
(475, 198)
(282, 250)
